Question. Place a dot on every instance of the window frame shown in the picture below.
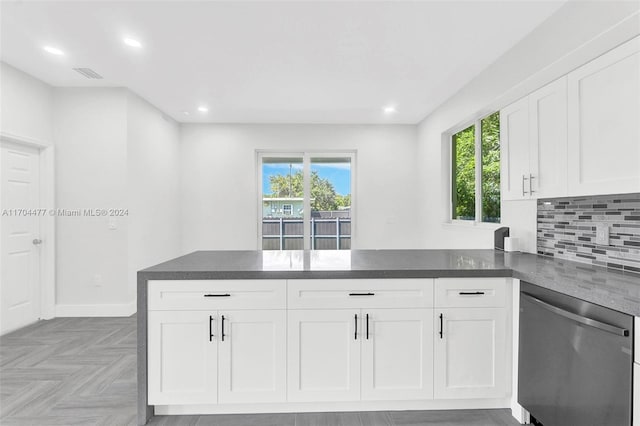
(306, 176)
(477, 125)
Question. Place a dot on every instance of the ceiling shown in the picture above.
(271, 62)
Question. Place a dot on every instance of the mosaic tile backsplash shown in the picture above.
(567, 230)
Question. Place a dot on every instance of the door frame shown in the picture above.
(47, 266)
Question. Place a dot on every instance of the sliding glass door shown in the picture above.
(305, 200)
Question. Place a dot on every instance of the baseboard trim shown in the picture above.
(102, 310)
(342, 406)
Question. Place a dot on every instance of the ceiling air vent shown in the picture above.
(89, 73)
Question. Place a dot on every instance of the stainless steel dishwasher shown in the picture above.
(575, 360)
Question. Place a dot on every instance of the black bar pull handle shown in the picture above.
(355, 323)
(362, 294)
(218, 295)
(211, 328)
(222, 329)
(367, 326)
(441, 326)
(470, 293)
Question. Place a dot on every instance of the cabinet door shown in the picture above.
(604, 134)
(548, 140)
(182, 357)
(252, 365)
(471, 356)
(324, 355)
(514, 151)
(397, 354)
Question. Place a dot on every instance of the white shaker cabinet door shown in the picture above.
(324, 355)
(397, 354)
(514, 151)
(252, 363)
(548, 140)
(604, 123)
(470, 353)
(182, 357)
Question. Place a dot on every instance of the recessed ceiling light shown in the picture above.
(203, 109)
(389, 109)
(53, 50)
(185, 112)
(132, 42)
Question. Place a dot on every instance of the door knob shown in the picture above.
(37, 241)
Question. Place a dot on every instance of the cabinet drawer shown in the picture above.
(470, 292)
(360, 293)
(217, 294)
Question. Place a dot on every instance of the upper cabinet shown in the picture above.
(533, 139)
(579, 135)
(514, 150)
(604, 123)
(548, 140)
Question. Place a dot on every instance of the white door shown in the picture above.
(253, 362)
(324, 355)
(604, 123)
(471, 356)
(397, 354)
(182, 357)
(514, 151)
(20, 285)
(548, 138)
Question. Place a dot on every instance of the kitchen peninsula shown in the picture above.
(344, 330)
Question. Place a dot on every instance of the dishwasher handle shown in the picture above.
(577, 318)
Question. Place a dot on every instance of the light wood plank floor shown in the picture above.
(82, 371)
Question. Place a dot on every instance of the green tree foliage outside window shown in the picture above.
(491, 168)
(323, 194)
(464, 178)
(464, 171)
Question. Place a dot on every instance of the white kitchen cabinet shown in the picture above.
(182, 357)
(514, 150)
(252, 356)
(604, 129)
(548, 140)
(324, 355)
(533, 144)
(470, 353)
(397, 354)
(368, 354)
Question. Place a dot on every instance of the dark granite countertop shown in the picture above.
(609, 288)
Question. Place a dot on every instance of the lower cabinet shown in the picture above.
(471, 353)
(360, 354)
(448, 342)
(202, 357)
(252, 357)
(324, 355)
(397, 354)
(182, 361)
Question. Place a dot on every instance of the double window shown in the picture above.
(475, 180)
(306, 200)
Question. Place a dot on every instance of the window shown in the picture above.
(475, 182)
(306, 201)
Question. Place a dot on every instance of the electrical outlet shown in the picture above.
(602, 234)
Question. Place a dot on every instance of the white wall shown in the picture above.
(90, 130)
(219, 194)
(579, 32)
(25, 106)
(153, 184)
